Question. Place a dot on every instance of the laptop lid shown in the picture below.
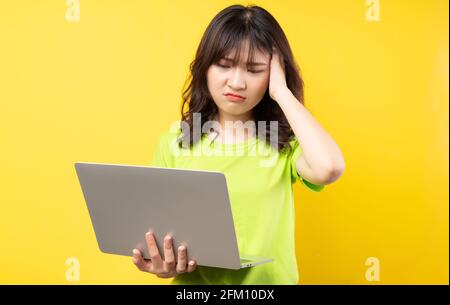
(126, 201)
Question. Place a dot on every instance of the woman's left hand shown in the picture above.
(277, 82)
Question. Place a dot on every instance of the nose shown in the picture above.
(236, 81)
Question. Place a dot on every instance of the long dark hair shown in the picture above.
(226, 32)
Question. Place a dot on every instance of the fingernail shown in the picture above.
(191, 263)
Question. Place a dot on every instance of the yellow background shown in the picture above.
(103, 89)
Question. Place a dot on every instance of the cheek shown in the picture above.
(214, 81)
(260, 85)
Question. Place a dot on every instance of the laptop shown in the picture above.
(126, 201)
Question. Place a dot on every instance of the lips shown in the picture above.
(235, 95)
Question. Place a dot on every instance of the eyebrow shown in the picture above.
(250, 63)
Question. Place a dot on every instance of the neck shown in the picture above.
(224, 117)
(228, 132)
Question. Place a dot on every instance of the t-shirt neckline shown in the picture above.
(230, 146)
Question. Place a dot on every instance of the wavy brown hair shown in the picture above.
(226, 32)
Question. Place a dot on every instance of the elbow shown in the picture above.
(333, 172)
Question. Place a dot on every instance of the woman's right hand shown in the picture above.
(163, 268)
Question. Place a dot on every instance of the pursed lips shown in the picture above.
(233, 94)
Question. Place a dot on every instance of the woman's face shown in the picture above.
(224, 78)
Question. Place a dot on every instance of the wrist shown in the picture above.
(282, 95)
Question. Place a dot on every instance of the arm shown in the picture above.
(322, 161)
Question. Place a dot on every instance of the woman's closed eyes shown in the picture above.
(226, 67)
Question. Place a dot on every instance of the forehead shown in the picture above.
(244, 54)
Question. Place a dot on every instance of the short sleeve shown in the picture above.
(294, 154)
(161, 154)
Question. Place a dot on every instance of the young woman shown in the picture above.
(244, 74)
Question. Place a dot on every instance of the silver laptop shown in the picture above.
(126, 201)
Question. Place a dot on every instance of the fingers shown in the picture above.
(182, 258)
(167, 267)
(153, 251)
(276, 56)
(169, 257)
(140, 262)
(274, 52)
(192, 265)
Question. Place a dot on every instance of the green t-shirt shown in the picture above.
(259, 181)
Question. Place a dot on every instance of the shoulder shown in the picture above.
(166, 148)
(170, 135)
